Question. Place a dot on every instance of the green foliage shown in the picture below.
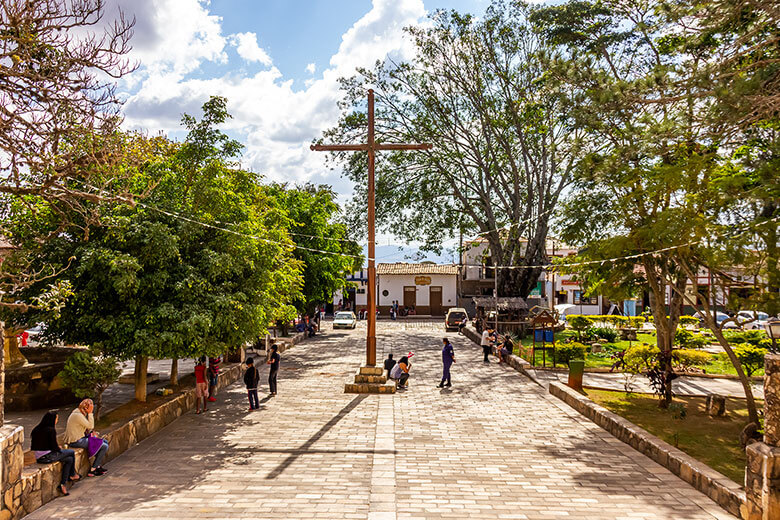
(147, 283)
(606, 333)
(691, 358)
(684, 338)
(753, 337)
(641, 356)
(636, 321)
(689, 320)
(565, 352)
(615, 320)
(89, 377)
(313, 213)
(579, 322)
(750, 356)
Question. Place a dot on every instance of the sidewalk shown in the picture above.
(114, 397)
(683, 385)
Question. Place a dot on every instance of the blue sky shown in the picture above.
(276, 61)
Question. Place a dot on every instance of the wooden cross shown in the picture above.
(371, 147)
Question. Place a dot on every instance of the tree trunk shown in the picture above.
(98, 404)
(174, 372)
(749, 400)
(2, 375)
(141, 364)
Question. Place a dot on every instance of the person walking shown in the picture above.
(274, 371)
(201, 384)
(486, 342)
(213, 374)
(447, 359)
(251, 380)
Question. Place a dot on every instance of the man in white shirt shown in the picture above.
(487, 341)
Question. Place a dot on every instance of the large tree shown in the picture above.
(502, 139)
(203, 265)
(325, 250)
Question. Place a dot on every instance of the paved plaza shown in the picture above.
(495, 446)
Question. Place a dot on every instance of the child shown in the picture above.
(213, 372)
(201, 386)
(251, 379)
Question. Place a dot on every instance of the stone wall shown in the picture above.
(762, 474)
(718, 487)
(25, 489)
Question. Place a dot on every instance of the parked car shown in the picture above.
(455, 316)
(753, 320)
(720, 317)
(34, 333)
(344, 320)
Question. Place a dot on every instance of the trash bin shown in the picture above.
(576, 369)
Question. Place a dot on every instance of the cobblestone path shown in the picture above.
(494, 446)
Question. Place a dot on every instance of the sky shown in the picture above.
(276, 61)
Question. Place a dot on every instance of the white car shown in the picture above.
(720, 317)
(344, 320)
(753, 320)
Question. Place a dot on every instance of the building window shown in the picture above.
(579, 299)
(361, 291)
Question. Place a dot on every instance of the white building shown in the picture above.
(428, 288)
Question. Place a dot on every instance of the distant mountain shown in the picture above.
(399, 253)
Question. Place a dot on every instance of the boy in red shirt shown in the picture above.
(201, 385)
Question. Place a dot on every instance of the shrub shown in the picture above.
(686, 339)
(691, 358)
(642, 355)
(565, 352)
(754, 337)
(579, 322)
(689, 320)
(606, 333)
(751, 357)
(89, 376)
(636, 321)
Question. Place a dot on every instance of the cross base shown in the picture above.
(370, 380)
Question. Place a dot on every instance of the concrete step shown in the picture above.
(371, 371)
(360, 378)
(369, 388)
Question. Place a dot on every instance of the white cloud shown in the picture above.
(248, 48)
(311, 68)
(277, 121)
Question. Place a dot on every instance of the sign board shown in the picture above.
(422, 280)
(536, 291)
(570, 282)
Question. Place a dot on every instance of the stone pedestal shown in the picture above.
(762, 474)
(370, 380)
(716, 405)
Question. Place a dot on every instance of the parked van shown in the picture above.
(455, 316)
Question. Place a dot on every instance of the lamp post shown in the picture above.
(773, 330)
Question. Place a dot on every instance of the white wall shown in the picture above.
(394, 285)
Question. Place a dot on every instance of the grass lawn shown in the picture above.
(712, 440)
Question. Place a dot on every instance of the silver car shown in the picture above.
(344, 320)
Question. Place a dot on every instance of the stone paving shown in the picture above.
(495, 446)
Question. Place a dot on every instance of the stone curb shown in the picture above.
(722, 490)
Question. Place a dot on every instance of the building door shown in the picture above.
(435, 299)
(410, 296)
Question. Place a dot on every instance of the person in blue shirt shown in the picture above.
(447, 359)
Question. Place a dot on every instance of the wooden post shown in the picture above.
(370, 147)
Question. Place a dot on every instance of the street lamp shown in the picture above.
(773, 330)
